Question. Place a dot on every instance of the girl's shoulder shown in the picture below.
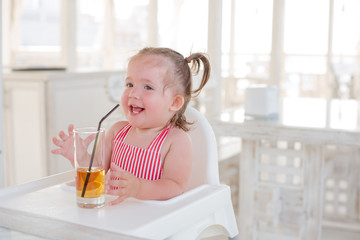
(120, 124)
(178, 135)
(116, 127)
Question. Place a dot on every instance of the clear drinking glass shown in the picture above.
(90, 183)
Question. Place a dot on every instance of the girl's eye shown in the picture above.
(147, 87)
(129, 85)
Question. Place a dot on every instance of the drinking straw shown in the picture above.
(94, 149)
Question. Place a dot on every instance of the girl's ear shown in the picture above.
(177, 103)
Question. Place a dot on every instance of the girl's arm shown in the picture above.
(176, 173)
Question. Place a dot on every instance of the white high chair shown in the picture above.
(216, 221)
(205, 166)
(204, 210)
(210, 211)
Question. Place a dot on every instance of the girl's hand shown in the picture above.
(65, 144)
(121, 183)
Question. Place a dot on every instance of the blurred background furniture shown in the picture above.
(295, 177)
(38, 104)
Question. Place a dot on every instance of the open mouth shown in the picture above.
(135, 109)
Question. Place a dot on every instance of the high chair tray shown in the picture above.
(47, 207)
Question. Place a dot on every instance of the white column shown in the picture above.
(277, 49)
(330, 73)
(68, 33)
(152, 23)
(2, 163)
(5, 24)
(214, 47)
(232, 39)
(108, 46)
(277, 61)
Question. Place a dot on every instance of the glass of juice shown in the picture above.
(89, 157)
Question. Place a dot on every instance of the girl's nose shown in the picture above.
(134, 93)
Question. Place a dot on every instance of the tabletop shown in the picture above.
(47, 208)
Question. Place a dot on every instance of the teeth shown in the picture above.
(136, 109)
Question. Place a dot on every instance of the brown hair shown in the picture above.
(180, 74)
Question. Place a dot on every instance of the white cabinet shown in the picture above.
(37, 105)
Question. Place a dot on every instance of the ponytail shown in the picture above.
(196, 59)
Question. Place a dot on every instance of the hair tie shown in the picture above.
(188, 59)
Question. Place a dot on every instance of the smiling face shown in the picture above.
(146, 101)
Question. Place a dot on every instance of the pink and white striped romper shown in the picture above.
(141, 162)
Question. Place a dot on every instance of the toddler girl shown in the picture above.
(150, 154)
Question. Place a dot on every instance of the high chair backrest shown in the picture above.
(205, 168)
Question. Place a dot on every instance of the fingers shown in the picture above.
(63, 142)
(56, 151)
(112, 187)
(89, 139)
(117, 174)
(71, 130)
(63, 136)
(107, 176)
(57, 142)
(115, 191)
(115, 180)
(116, 183)
(120, 175)
(115, 167)
(116, 201)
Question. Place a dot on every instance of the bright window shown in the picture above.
(253, 20)
(346, 32)
(43, 18)
(131, 29)
(306, 27)
(90, 24)
(36, 34)
(191, 21)
(246, 50)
